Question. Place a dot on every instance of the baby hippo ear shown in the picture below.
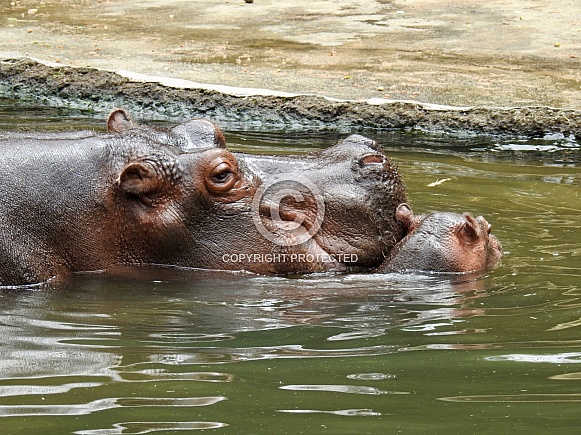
(139, 179)
(405, 215)
(200, 133)
(119, 120)
(469, 231)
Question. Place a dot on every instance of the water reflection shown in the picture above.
(517, 398)
(89, 334)
(153, 426)
(561, 358)
(341, 412)
(348, 389)
(104, 404)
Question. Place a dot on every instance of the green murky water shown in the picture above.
(324, 354)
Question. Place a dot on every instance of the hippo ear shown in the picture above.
(405, 215)
(139, 179)
(119, 120)
(469, 230)
(200, 133)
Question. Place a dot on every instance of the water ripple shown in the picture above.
(163, 375)
(26, 390)
(560, 358)
(104, 404)
(566, 325)
(144, 427)
(349, 389)
(370, 376)
(516, 398)
(229, 355)
(342, 412)
(356, 335)
(501, 345)
(170, 338)
(136, 402)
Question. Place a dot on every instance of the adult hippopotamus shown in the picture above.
(140, 196)
(443, 242)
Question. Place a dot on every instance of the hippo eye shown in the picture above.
(222, 178)
(221, 173)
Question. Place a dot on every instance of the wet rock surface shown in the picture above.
(507, 67)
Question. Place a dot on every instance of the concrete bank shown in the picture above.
(504, 67)
(101, 91)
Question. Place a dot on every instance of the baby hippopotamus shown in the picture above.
(443, 242)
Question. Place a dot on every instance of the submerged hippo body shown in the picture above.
(140, 196)
(443, 242)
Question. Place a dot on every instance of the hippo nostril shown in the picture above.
(372, 159)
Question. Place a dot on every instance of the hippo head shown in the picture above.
(205, 207)
(338, 202)
(443, 242)
(163, 186)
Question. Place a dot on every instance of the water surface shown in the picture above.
(324, 353)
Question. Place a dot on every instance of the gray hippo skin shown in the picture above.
(83, 202)
(443, 242)
(137, 196)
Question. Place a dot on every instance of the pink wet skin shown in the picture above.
(443, 242)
